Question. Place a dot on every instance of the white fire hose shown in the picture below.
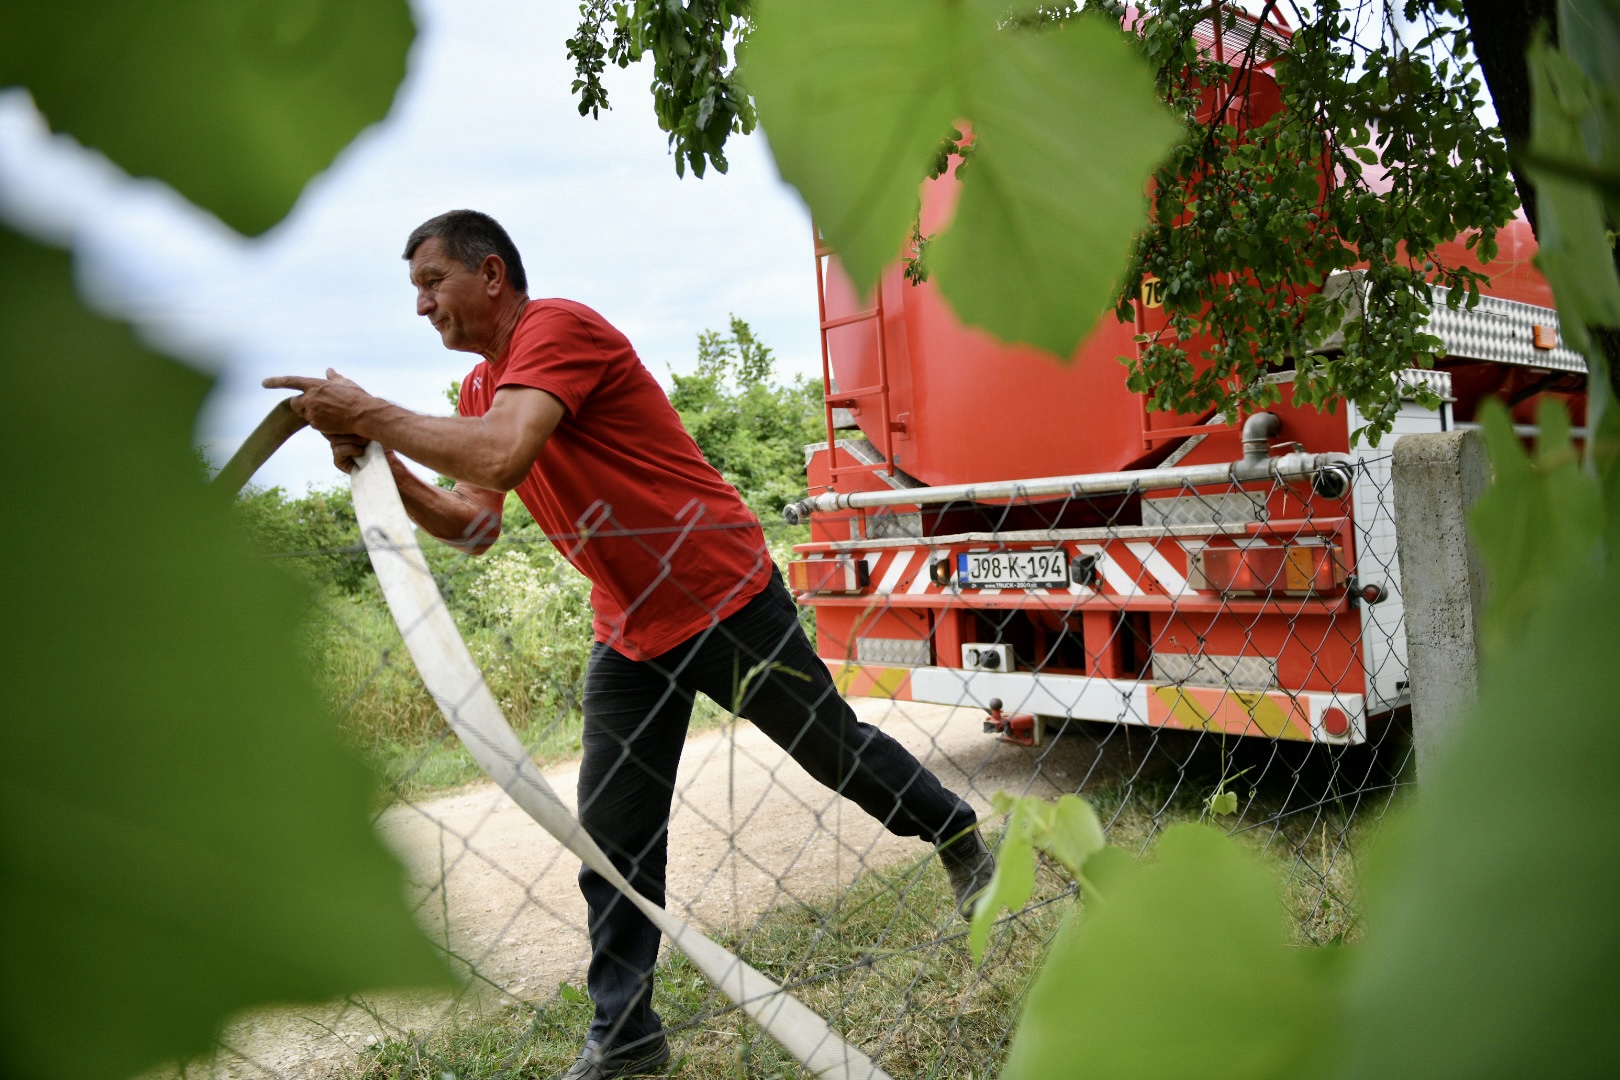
(454, 681)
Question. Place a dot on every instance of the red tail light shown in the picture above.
(840, 574)
(1291, 571)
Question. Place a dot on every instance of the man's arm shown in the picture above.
(465, 516)
(493, 452)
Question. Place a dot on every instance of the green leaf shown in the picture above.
(1538, 526)
(1223, 803)
(235, 103)
(182, 833)
(1068, 830)
(1014, 878)
(1590, 36)
(1068, 130)
(1073, 833)
(1574, 252)
(1605, 458)
(1492, 940)
(1106, 867)
(856, 96)
(1178, 968)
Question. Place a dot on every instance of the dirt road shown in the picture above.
(749, 830)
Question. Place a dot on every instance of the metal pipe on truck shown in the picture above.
(1329, 475)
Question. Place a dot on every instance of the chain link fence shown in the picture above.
(1233, 654)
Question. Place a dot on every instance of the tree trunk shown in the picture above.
(1501, 31)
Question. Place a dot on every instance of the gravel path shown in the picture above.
(749, 831)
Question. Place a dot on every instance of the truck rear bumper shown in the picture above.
(1306, 716)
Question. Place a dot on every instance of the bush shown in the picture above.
(317, 533)
(750, 429)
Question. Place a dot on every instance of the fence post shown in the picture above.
(1437, 479)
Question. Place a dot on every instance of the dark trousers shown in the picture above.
(758, 663)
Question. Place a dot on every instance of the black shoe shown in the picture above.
(969, 864)
(639, 1059)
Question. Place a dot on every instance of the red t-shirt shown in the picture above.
(621, 489)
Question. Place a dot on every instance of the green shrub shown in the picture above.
(317, 533)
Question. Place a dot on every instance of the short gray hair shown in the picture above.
(469, 237)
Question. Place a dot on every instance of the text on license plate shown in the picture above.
(1012, 569)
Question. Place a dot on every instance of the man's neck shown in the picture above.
(506, 320)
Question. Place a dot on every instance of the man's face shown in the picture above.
(453, 298)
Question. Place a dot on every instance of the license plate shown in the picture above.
(1012, 569)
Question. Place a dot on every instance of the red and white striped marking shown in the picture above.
(1124, 568)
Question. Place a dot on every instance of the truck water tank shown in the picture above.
(964, 407)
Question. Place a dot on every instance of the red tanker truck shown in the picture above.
(989, 528)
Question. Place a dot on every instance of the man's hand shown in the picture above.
(494, 452)
(347, 449)
(333, 405)
(330, 405)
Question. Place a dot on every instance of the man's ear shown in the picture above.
(492, 271)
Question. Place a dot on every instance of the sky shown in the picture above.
(484, 119)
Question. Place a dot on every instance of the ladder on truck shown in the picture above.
(834, 401)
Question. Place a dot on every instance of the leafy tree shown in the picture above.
(695, 92)
(1242, 230)
(1252, 213)
(751, 429)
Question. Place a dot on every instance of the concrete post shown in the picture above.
(1437, 479)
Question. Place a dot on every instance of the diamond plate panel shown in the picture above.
(1237, 672)
(909, 652)
(884, 524)
(1230, 508)
(1502, 331)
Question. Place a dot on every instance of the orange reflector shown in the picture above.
(1545, 337)
(1290, 571)
(840, 574)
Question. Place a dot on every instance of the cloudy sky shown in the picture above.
(484, 119)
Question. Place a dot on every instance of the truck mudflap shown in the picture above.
(1306, 716)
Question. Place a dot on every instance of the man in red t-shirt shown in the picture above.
(685, 597)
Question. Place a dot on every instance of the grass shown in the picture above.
(886, 961)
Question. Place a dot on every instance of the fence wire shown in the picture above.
(1234, 655)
